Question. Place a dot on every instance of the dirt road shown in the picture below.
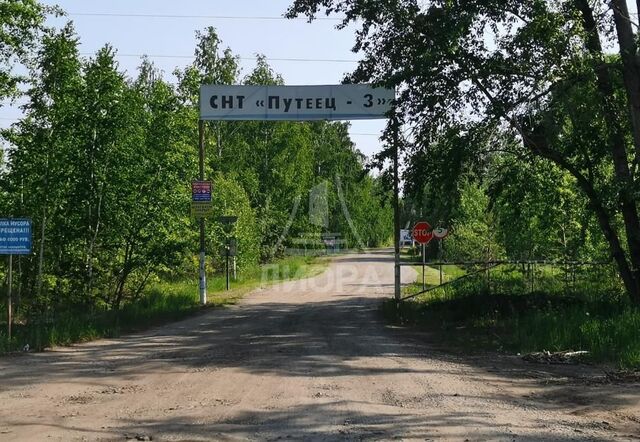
(304, 360)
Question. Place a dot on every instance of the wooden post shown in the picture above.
(424, 286)
(227, 265)
(235, 274)
(533, 270)
(9, 306)
(440, 258)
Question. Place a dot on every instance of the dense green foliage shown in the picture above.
(20, 26)
(102, 163)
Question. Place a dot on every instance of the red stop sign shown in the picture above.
(422, 232)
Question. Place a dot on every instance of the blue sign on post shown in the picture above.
(15, 236)
(201, 191)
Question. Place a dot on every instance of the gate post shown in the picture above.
(396, 208)
(202, 272)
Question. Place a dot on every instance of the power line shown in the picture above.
(210, 17)
(355, 134)
(191, 57)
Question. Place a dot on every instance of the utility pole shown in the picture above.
(396, 207)
(203, 275)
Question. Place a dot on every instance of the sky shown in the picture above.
(165, 31)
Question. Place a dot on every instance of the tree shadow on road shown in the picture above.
(321, 422)
(311, 339)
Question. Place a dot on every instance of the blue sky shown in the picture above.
(174, 36)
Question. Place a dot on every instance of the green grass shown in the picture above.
(503, 314)
(432, 276)
(162, 302)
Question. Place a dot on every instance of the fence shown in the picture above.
(514, 276)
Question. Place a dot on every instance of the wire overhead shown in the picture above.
(210, 17)
(213, 17)
(191, 57)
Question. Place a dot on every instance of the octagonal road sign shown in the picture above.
(422, 232)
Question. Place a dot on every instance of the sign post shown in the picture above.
(440, 233)
(15, 239)
(232, 251)
(422, 234)
(227, 267)
(230, 248)
(202, 270)
(397, 278)
(9, 306)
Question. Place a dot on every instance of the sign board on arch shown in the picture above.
(326, 102)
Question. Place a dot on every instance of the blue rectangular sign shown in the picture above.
(15, 236)
(201, 191)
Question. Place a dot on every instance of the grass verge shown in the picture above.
(592, 315)
(161, 303)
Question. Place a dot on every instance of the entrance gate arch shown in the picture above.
(295, 103)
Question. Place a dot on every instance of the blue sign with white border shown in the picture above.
(15, 236)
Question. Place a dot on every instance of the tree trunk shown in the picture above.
(617, 145)
(18, 303)
(142, 285)
(630, 65)
(617, 252)
(41, 252)
(92, 244)
(92, 192)
(124, 274)
(44, 222)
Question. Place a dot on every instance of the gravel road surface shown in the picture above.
(304, 360)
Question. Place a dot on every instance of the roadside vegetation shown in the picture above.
(162, 301)
(499, 310)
